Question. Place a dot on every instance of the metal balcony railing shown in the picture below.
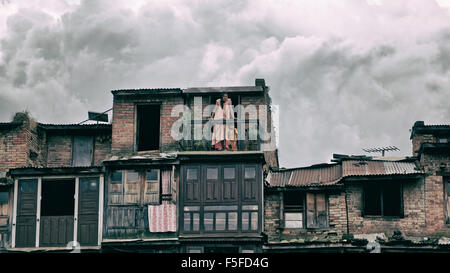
(204, 144)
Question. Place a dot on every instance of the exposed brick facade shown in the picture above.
(337, 222)
(20, 146)
(412, 223)
(124, 123)
(59, 149)
(424, 199)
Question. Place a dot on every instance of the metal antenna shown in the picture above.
(381, 149)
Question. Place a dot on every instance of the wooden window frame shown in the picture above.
(382, 190)
(148, 183)
(72, 154)
(142, 187)
(303, 210)
(316, 212)
(239, 202)
(136, 124)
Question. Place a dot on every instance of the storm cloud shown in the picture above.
(346, 75)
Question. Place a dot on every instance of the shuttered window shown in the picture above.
(116, 188)
(192, 185)
(250, 184)
(316, 210)
(229, 185)
(152, 187)
(136, 186)
(212, 184)
(131, 187)
(82, 152)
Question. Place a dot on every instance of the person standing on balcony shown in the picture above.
(230, 133)
(218, 116)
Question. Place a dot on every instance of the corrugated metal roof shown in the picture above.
(331, 174)
(75, 126)
(377, 167)
(230, 89)
(325, 175)
(420, 127)
(155, 91)
(7, 125)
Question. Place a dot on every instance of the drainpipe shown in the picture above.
(346, 211)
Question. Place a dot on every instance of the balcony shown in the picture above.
(246, 144)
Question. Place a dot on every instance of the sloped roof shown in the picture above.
(331, 174)
(377, 167)
(8, 125)
(421, 128)
(229, 89)
(100, 126)
(147, 91)
(321, 175)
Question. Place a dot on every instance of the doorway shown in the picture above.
(148, 127)
(57, 212)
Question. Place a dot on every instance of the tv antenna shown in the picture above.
(381, 149)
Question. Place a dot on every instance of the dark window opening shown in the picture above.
(383, 199)
(58, 198)
(148, 119)
(391, 199)
(4, 196)
(293, 203)
(116, 177)
(372, 200)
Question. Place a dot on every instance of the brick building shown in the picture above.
(135, 185)
(394, 204)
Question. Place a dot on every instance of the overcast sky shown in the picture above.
(347, 75)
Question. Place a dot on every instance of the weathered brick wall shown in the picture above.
(123, 126)
(36, 141)
(412, 223)
(434, 165)
(102, 149)
(435, 211)
(419, 139)
(20, 146)
(124, 122)
(272, 201)
(167, 142)
(59, 150)
(272, 219)
(337, 213)
(13, 148)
